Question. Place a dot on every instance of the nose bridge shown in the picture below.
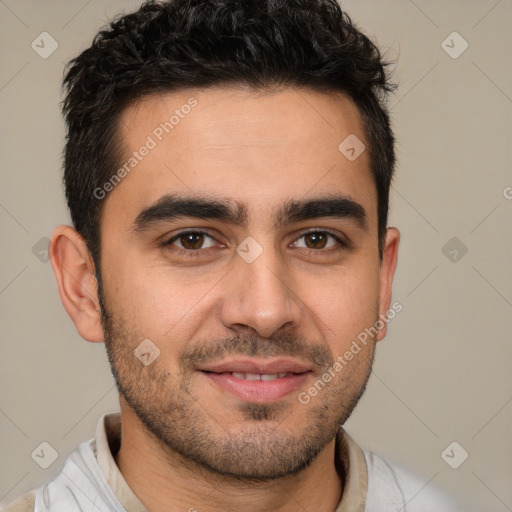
(260, 296)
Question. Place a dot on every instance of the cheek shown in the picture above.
(346, 306)
(158, 301)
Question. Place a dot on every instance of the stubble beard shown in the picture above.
(261, 445)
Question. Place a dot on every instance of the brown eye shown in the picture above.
(317, 240)
(191, 240)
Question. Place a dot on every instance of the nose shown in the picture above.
(261, 297)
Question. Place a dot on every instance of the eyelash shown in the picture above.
(189, 253)
(194, 253)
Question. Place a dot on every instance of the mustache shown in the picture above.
(280, 345)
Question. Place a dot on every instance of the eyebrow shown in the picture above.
(174, 206)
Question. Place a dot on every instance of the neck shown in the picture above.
(165, 481)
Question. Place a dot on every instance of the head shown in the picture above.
(217, 216)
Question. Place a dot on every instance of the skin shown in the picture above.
(186, 443)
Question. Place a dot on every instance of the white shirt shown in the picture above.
(91, 481)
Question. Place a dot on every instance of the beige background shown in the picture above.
(443, 372)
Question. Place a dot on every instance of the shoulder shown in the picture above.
(24, 503)
(393, 488)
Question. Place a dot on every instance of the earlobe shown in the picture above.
(74, 270)
(387, 272)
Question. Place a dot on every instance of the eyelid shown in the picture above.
(169, 241)
(342, 240)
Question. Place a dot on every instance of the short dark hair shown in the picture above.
(178, 44)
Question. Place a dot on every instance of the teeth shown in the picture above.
(257, 376)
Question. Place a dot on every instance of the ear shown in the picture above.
(74, 269)
(387, 272)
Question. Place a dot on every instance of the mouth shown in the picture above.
(258, 376)
(257, 381)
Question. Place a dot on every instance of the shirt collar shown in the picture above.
(108, 442)
(349, 459)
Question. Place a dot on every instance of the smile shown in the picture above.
(256, 387)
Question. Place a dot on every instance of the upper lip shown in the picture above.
(252, 366)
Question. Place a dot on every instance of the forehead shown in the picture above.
(257, 147)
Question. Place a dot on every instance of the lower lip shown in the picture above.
(258, 390)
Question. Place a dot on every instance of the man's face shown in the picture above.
(214, 302)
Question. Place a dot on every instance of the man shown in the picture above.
(227, 169)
